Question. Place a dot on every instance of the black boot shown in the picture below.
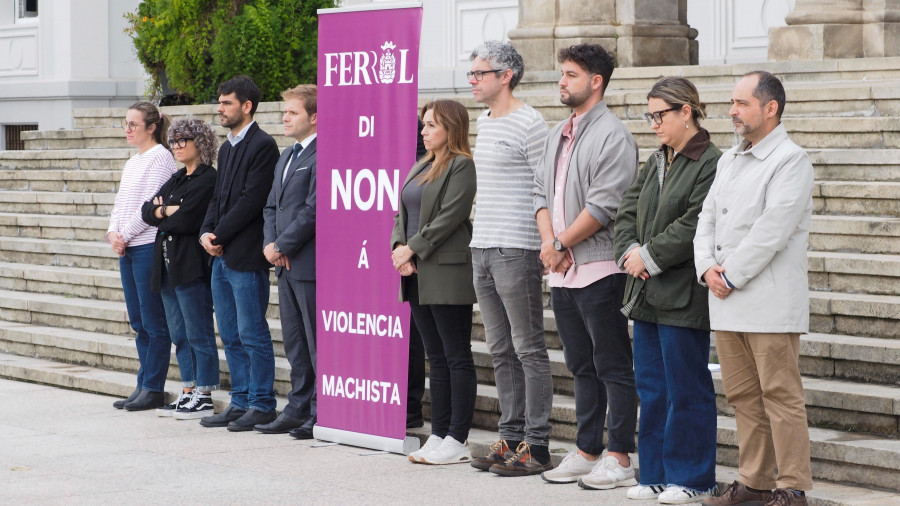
(146, 400)
(120, 404)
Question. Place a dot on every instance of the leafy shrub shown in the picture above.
(190, 46)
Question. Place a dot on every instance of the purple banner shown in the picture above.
(367, 99)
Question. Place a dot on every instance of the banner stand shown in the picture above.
(346, 437)
(367, 85)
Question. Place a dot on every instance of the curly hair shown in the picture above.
(501, 56)
(204, 138)
(592, 58)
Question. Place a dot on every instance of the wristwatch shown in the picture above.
(275, 247)
(558, 245)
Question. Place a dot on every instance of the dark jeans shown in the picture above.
(594, 334)
(677, 437)
(446, 332)
(147, 317)
(189, 311)
(240, 299)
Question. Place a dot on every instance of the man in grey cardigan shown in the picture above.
(750, 249)
(589, 162)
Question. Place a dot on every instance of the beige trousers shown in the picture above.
(761, 376)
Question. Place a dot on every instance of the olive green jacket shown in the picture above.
(663, 225)
(442, 255)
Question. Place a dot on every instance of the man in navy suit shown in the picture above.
(232, 233)
(290, 245)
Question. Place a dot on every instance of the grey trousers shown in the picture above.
(508, 286)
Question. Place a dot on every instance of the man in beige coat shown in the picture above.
(750, 249)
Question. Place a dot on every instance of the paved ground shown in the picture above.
(64, 447)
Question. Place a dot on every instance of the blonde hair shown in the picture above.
(678, 91)
(454, 118)
(306, 93)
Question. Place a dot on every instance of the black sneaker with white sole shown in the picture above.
(200, 405)
(169, 409)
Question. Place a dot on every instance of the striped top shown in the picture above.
(506, 155)
(143, 175)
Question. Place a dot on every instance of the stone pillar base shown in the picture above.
(816, 42)
(825, 41)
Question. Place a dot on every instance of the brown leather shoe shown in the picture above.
(737, 493)
(521, 463)
(784, 497)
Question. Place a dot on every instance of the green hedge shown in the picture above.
(193, 45)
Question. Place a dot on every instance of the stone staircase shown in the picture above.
(63, 319)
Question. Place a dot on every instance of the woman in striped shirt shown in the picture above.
(132, 239)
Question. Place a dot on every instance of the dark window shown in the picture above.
(14, 135)
(28, 8)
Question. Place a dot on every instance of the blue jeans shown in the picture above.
(594, 334)
(189, 311)
(240, 299)
(677, 436)
(147, 317)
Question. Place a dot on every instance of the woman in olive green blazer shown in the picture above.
(430, 249)
(655, 228)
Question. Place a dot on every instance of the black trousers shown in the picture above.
(594, 334)
(446, 332)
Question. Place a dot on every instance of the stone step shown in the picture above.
(111, 117)
(120, 384)
(850, 132)
(828, 99)
(61, 180)
(46, 226)
(56, 203)
(831, 403)
(860, 234)
(830, 449)
(857, 198)
(801, 73)
(855, 314)
(90, 255)
(67, 159)
(854, 272)
(114, 137)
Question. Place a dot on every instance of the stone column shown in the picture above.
(838, 29)
(640, 32)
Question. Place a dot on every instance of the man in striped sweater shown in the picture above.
(507, 270)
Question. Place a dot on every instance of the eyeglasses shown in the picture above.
(479, 74)
(656, 117)
(182, 142)
(130, 125)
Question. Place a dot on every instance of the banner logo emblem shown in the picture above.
(387, 68)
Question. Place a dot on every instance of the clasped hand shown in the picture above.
(555, 261)
(402, 259)
(634, 264)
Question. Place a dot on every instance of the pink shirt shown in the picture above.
(578, 276)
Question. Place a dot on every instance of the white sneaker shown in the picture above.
(169, 409)
(607, 474)
(644, 492)
(572, 467)
(432, 443)
(680, 495)
(451, 451)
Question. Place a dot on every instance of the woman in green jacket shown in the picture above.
(655, 228)
(430, 244)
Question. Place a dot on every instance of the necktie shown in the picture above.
(297, 149)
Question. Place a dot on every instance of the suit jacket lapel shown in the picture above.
(279, 174)
(302, 158)
(430, 196)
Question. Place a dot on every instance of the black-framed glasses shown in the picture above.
(181, 142)
(656, 117)
(130, 125)
(479, 74)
